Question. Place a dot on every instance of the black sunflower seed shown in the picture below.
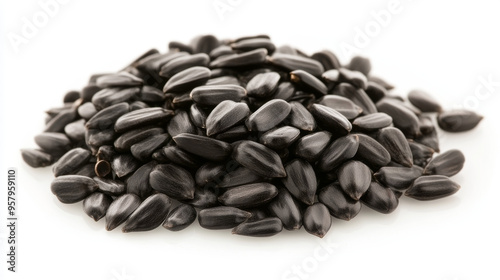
(111, 96)
(96, 205)
(375, 91)
(430, 140)
(338, 151)
(182, 63)
(301, 180)
(396, 144)
(76, 131)
(398, 178)
(311, 146)
(380, 198)
(239, 132)
(402, 117)
(209, 172)
(203, 198)
(204, 44)
(263, 85)
(357, 96)
(180, 123)
(268, 115)
(308, 82)
(224, 80)
(245, 59)
(222, 217)
(354, 178)
(197, 116)
(447, 164)
(151, 94)
(259, 158)
(260, 228)
(180, 217)
(138, 182)
(327, 59)
(317, 220)
(361, 64)
(110, 187)
(142, 117)
(252, 44)
(181, 47)
(71, 161)
(124, 164)
(178, 156)
(53, 142)
(71, 96)
(247, 196)
(300, 117)
(371, 152)
(425, 124)
(280, 138)
(107, 117)
(120, 209)
(36, 158)
(215, 94)
(331, 120)
(149, 215)
(355, 78)
(458, 120)
(131, 137)
(172, 180)
(72, 188)
(372, 122)
(145, 148)
(122, 79)
(227, 114)
(221, 50)
(87, 110)
(57, 123)
(187, 79)
(423, 101)
(295, 62)
(421, 153)
(205, 147)
(340, 205)
(286, 209)
(343, 105)
(239, 176)
(284, 91)
(432, 187)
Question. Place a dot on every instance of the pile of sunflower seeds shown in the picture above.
(245, 136)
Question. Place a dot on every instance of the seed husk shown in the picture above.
(71, 161)
(259, 158)
(138, 182)
(280, 138)
(245, 59)
(371, 152)
(331, 120)
(172, 180)
(458, 120)
(396, 144)
(222, 217)
(300, 117)
(354, 178)
(357, 95)
(57, 123)
(447, 164)
(122, 79)
(380, 198)
(268, 115)
(301, 180)
(107, 117)
(372, 122)
(295, 62)
(102, 168)
(424, 101)
(180, 217)
(402, 117)
(227, 114)
(96, 205)
(286, 209)
(149, 215)
(261, 228)
(432, 187)
(111, 96)
(145, 148)
(120, 209)
(36, 158)
(212, 95)
(72, 188)
(317, 220)
(343, 105)
(310, 147)
(308, 82)
(263, 85)
(124, 164)
(338, 151)
(205, 147)
(340, 205)
(142, 117)
(239, 176)
(398, 178)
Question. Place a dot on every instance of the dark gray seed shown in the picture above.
(261, 36)
(89, 91)
(71, 96)
(247, 196)
(421, 153)
(224, 80)
(340, 205)
(181, 101)
(205, 147)
(71, 161)
(310, 147)
(398, 178)
(261, 228)
(209, 172)
(371, 152)
(134, 63)
(106, 152)
(180, 123)
(331, 120)
(220, 72)
(204, 44)
(142, 117)
(375, 91)
(301, 180)
(124, 164)
(96, 205)
(252, 44)
(180, 47)
(95, 138)
(357, 96)
(380, 198)
(53, 142)
(227, 114)
(57, 123)
(354, 178)
(213, 95)
(280, 138)
(396, 144)
(294, 62)
(144, 149)
(430, 140)
(122, 79)
(308, 82)
(87, 170)
(72, 188)
(300, 117)
(263, 85)
(447, 164)
(222, 217)
(317, 220)
(268, 115)
(149, 215)
(284, 91)
(152, 64)
(338, 151)
(197, 116)
(238, 177)
(458, 120)
(187, 79)
(182, 63)
(111, 96)
(343, 105)
(136, 105)
(180, 217)
(110, 187)
(129, 138)
(402, 117)
(36, 158)
(432, 187)
(203, 198)
(138, 183)
(172, 180)
(259, 158)
(235, 133)
(76, 130)
(107, 117)
(175, 155)
(381, 82)
(355, 78)
(423, 101)
(258, 214)
(102, 168)
(425, 124)
(331, 77)
(87, 110)
(361, 64)
(372, 122)
(151, 94)
(286, 209)
(221, 50)
(327, 59)
(120, 209)
(245, 59)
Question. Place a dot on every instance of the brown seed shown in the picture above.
(261, 228)
(447, 164)
(102, 168)
(172, 180)
(301, 180)
(432, 187)
(222, 217)
(458, 120)
(361, 64)
(354, 178)
(247, 196)
(259, 158)
(317, 220)
(340, 205)
(149, 215)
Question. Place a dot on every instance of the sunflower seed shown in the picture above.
(76, 130)
(245, 59)
(263, 85)
(181, 47)
(338, 151)
(425, 124)
(151, 94)
(310, 147)
(339, 204)
(53, 142)
(301, 180)
(122, 79)
(380, 198)
(72, 188)
(308, 82)
(71, 96)
(197, 116)
(215, 94)
(317, 220)
(205, 147)
(187, 79)
(203, 198)
(131, 137)
(120, 209)
(261, 228)
(87, 110)
(175, 155)
(402, 117)
(227, 114)
(354, 178)
(111, 96)
(280, 138)
(396, 144)
(286, 209)
(357, 96)
(331, 120)
(107, 117)
(421, 153)
(149, 215)
(209, 172)
(458, 120)
(239, 176)
(355, 78)
(252, 44)
(142, 117)
(124, 164)
(57, 123)
(204, 44)
(36, 158)
(371, 152)
(71, 161)
(343, 105)
(285, 91)
(110, 187)
(106, 152)
(430, 140)
(247, 196)
(221, 50)
(300, 117)
(268, 115)
(182, 63)
(180, 217)
(222, 217)
(423, 101)
(361, 64)
(375, 91)
(172, 180)
(447, 164)
(327, 59)
(259, 158)
(138, 182)
(96, 205)
(398, 178)
(372, 122)
(432, 187)
(239, 132)
(295, 62)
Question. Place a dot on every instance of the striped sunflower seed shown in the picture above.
(432, 187)
(286, 209)
(300, 117)
(447, 164)
(120, 209)
(259, 158)
(71, 161)
(331, 120)
(380, 198)
(398, 178)
(149, 215)
(301, 180)
(260, 228)
(222, 217)
(424, 101)
(227, 114)
(214, 94)
(247, 196)
(203, 146)
(458, 120)
(343, 105)
(311, 146)
(338, 151)
(180, 217)
(280, 138)
(396, 144)
(172, 180)
(72, 188)
(354, 178)
(36, 158)
(96, 205)
(340, 205)
(142, 117)
(263, 85)
(268, 115)
(308, 82)
(317, 220)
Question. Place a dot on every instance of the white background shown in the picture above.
(446, 48)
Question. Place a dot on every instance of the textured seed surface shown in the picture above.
(343, 105)
(142, 117)
(448, 163)
(36, 158)
(371, 152)
(317, 220)
(205, 147)
(96, 205)
(247, 196)
(263, 85)
(222, 217)
(180, 217)
(458, 120)
(260, 228)
(432, 187)
(227, 114)
(280, 138)
(120, 209)
(301, 118)
(354, 178)
(310, 147)
(259, 158)
(398, 178)
(110, 187)
(380, 198)
(149, 215)
(173, 181)
(268, 115)
(424, 101)
(338, 151)
(287, 210)
(72, 188)
(301, 180)
(331, 120)
(340, 205)
(402, 117)
(396, 144)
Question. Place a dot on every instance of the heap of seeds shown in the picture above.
(244, 135)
